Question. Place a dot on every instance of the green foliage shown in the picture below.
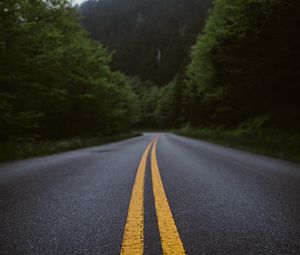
(246, 64)
(160, 106)
(149, 100)
(269, 142)
(54, 80)
(27, 147)
(243, 76)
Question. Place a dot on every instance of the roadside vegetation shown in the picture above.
(25, 148)
(56, 83)
(267, 142)
(241, 87)
(109, 67)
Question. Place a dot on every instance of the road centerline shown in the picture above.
(133, 238)
(170, 239)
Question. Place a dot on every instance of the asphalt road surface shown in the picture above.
(150, 195)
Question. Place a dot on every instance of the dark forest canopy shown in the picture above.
(55, 81)
(244, 71)
(150, 38)
(245, 65)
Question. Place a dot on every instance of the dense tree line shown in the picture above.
(160, 107)
(54, 80)
(150, 38)
(245, 65)
(244, 69)
(57, 82)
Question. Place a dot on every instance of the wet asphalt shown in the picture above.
(224, 201)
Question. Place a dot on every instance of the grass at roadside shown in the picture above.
(30, 148)
(279, 145)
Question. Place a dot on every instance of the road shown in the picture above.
(153, 195)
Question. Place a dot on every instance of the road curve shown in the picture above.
(222, 200)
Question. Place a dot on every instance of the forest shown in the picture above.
(55, 81)
(209, 68)
(150, 39)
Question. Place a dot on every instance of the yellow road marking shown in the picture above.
(170, 239)
(133, 239)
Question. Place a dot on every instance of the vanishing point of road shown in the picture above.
(153, 194)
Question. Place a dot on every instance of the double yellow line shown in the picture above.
(133, 239)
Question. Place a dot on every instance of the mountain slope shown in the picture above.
(150, 38)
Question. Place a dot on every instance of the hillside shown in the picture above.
(150, 38)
